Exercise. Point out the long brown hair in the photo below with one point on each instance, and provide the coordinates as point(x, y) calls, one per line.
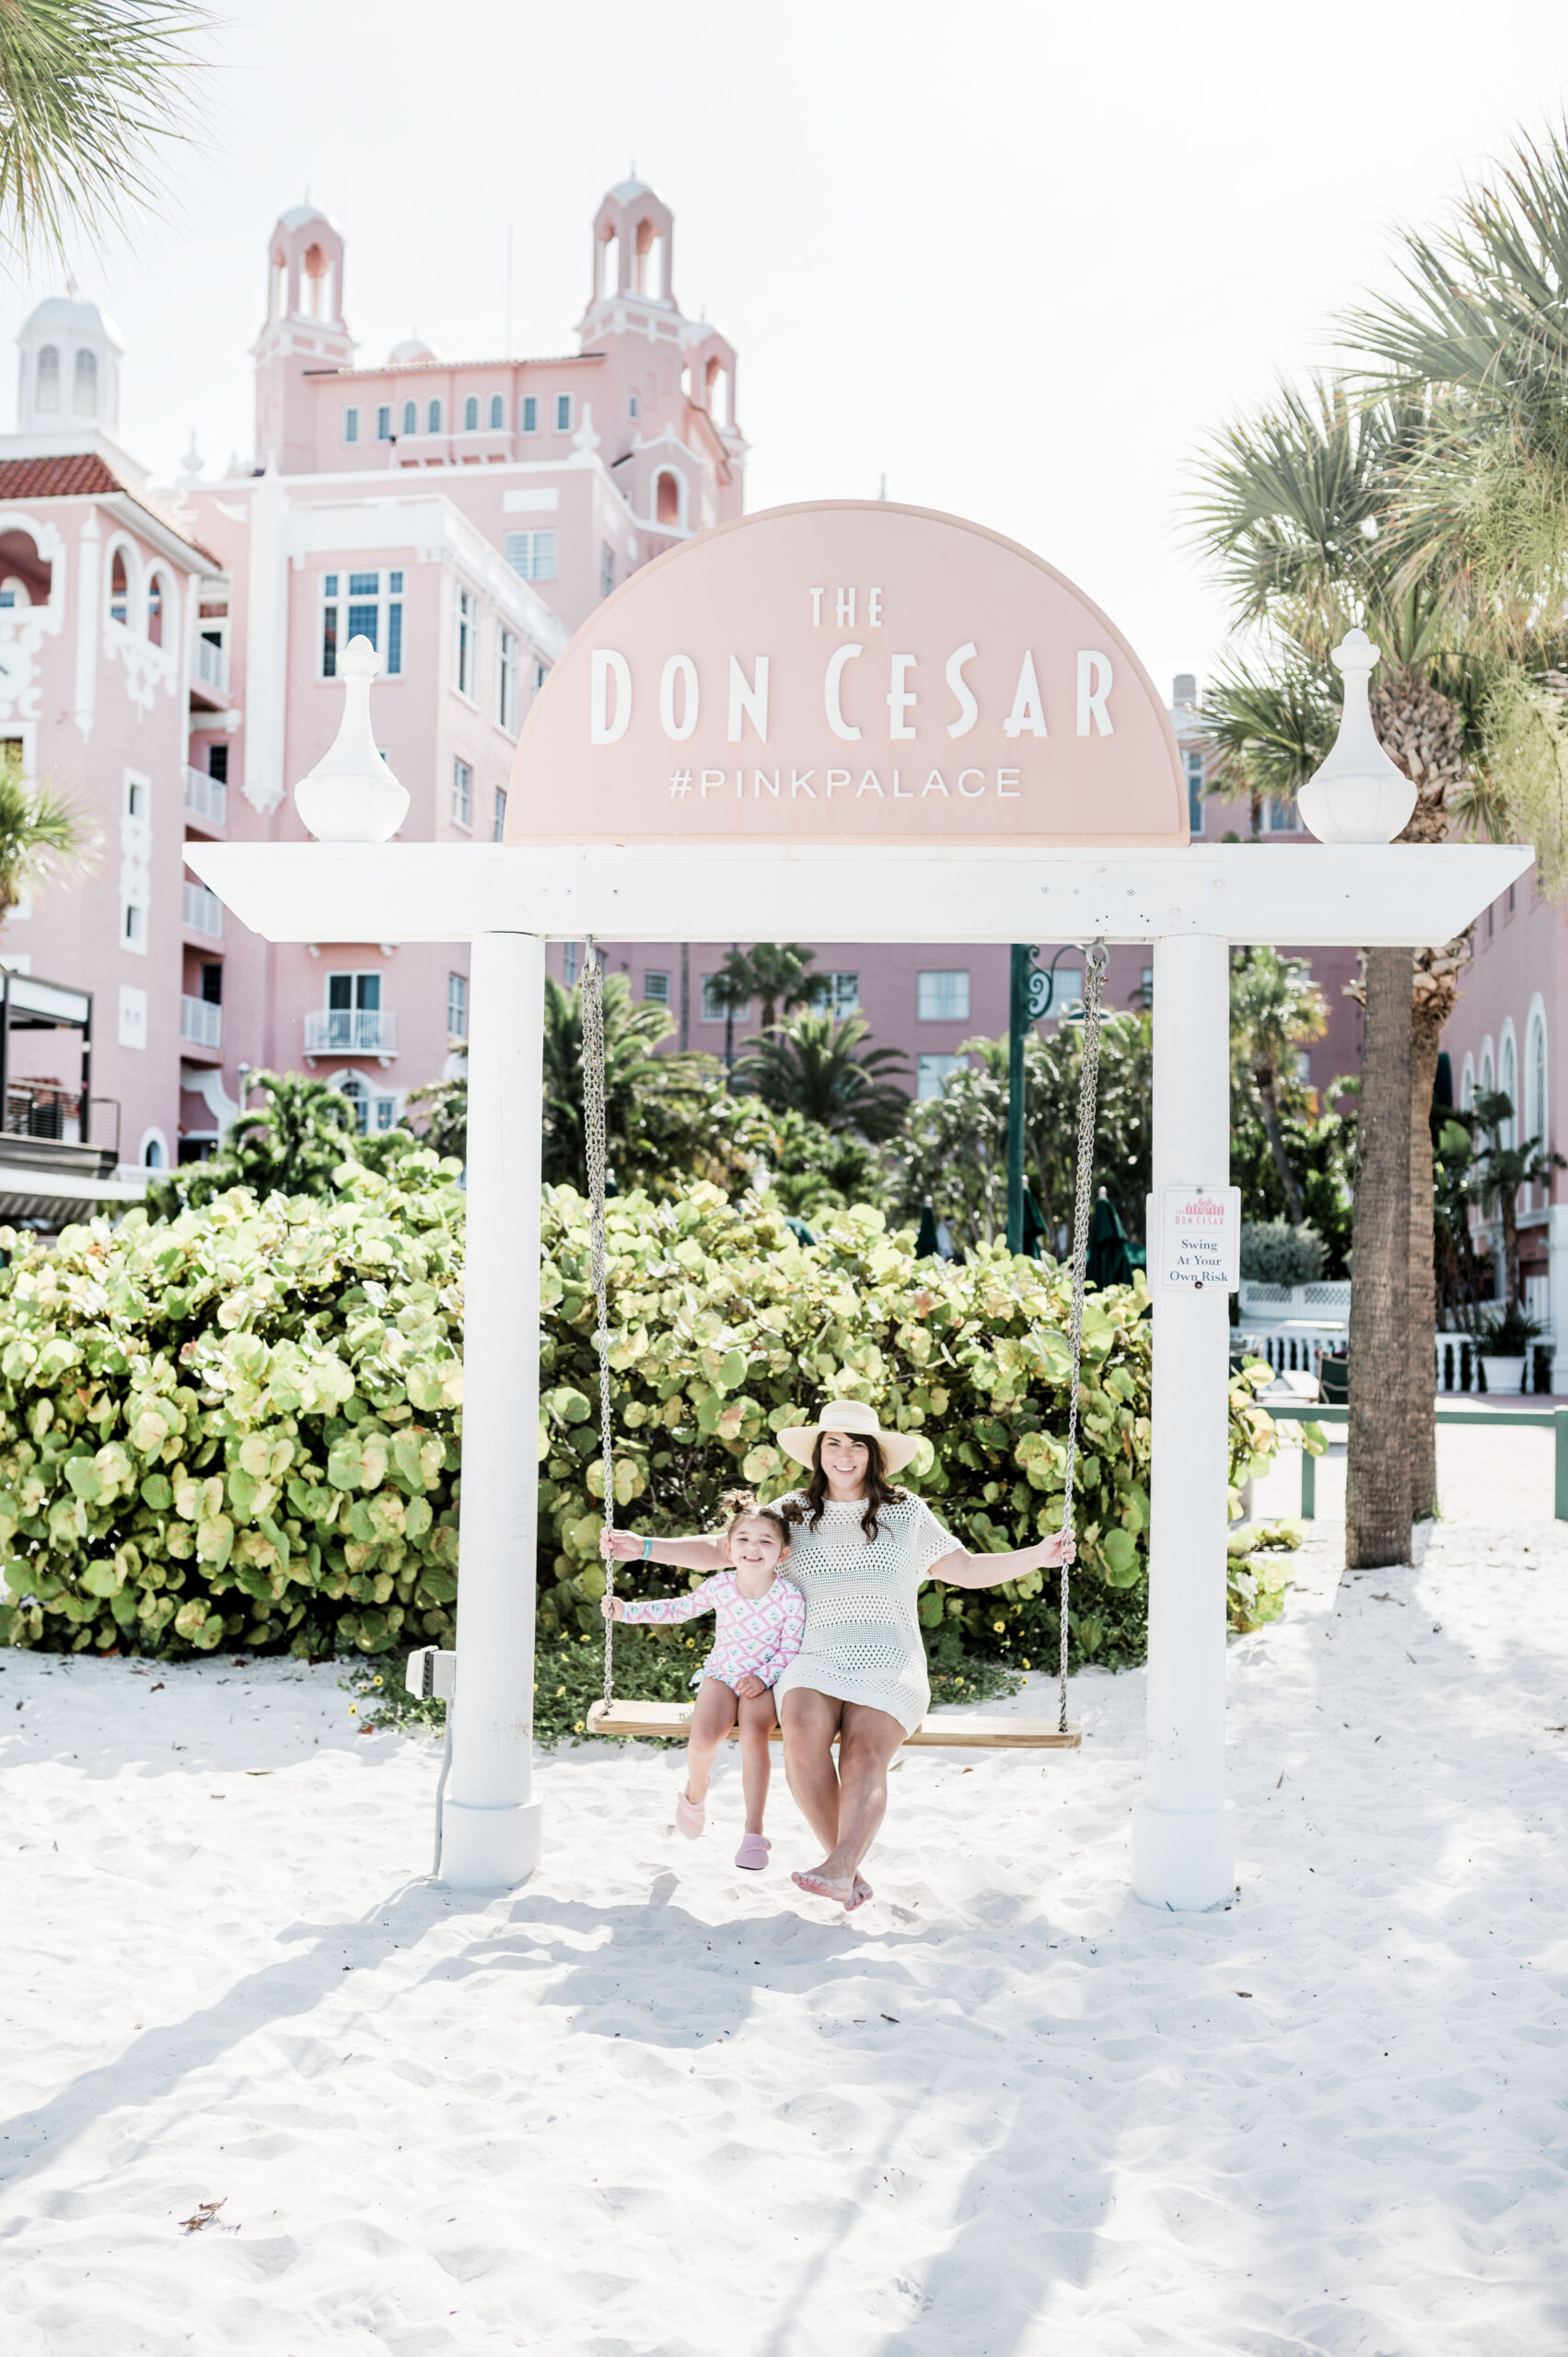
point(879, 1491)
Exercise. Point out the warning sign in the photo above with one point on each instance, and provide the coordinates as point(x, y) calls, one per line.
point(1198, 1239)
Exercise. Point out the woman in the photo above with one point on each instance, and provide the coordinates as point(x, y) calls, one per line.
point(861, 1550)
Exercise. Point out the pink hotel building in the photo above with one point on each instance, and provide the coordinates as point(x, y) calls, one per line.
point(170, 659)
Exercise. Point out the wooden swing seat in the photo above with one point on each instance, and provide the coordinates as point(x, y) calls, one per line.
point(673, 1720)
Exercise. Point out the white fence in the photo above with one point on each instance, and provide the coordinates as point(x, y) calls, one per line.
point(201, 1023)
point(204, 911)
point(207, 797)
point(353, 1031)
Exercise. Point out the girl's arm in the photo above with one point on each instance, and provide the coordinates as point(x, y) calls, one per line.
point(680, 1554)
point(960, 1569)
point(787, 1638)
point(674, 1608)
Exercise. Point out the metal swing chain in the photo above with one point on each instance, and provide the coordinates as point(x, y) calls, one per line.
point(1088, 1085)
point(590, 1003)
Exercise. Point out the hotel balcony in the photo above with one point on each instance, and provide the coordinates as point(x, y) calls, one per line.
point(350, 1030)
point(206, 800)
point(209, 675)
point(201, 1023)
point(203, 912)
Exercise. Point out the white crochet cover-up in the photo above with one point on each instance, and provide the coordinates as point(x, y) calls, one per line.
point(862, 1640)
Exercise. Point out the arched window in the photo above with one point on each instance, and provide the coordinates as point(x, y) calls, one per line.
point(119, 589)
point(1508, 1087)
point(609, 263)
point(48, 394)
point(1535, 1082)
point(152, 1158)
point(666, 508)
point(433, 418)
point(318, 284)
point(13, 592)
point(155, 608)
point(650, 261)
point(497, 412)
point(84, 398)
point(719, 392)
point(358, 1095)
point(1487, 1071)
point(1466, 1085)
point(470, 415)
point(410, 417)
point(280, 285)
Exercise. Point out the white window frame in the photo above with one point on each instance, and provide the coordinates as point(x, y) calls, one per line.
point(383, 421)
point(465, 641)
point(411, 421)
point(528, 413)
point(571, 963)
point(844, 993)
point(1508, 1056)
point(508, 660)
point(931, 1071)
point(652, 974)
point(1197, 800)
point(135, 860)
point(463, 794)
point(456, 1006)
point(470, 401)
point(498, 817)
point(434, 415)
point(721, 1013)
point(936, 984)
point(562, 404)
point(390, 599)
point(1538, 1063)
point(497, 409)
point(350, 422)
point(531, 555)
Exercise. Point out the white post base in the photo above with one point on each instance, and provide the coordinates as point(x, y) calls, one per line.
point(490, 1848)
point(1183, 1858)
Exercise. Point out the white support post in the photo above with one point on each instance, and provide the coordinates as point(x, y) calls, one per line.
point(1182, 1848)
point(491, 1826)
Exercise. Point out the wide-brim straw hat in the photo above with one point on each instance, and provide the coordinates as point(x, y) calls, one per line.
point(851, 1416)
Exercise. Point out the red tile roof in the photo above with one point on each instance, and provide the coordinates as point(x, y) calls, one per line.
point(83, 474)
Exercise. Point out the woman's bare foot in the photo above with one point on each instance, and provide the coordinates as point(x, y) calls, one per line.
point(821, 1886)
point(860, 1894)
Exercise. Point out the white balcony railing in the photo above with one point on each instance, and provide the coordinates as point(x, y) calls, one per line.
point(207, 797)
point(201, 1023)
point(204, 911)
point(350, 1030)
point(210, 664)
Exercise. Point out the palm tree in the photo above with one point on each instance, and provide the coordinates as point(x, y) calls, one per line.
point(88, 89)
point(290, 1146)
point(666, 1122)
point(817, 1066)
point(1499, 1171)
point(44, 838)
point(1296, 509)
point(775, 972)
point(1275, 1008)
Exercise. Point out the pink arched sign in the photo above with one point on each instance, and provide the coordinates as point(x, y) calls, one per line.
point(848, 672)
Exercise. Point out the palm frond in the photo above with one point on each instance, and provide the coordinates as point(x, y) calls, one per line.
point(45, 837)
point(89, 88)
point(1269, 731)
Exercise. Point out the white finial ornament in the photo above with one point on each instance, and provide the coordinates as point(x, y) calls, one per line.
point(1358, 795)
point(350, 797)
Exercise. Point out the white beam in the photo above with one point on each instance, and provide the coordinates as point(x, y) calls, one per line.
point(1365, 896)
point(491, 1824)
point(1182, 1852)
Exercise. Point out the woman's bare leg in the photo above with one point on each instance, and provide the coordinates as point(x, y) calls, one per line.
point(866, 1745)
point(758, 1720)
point(711, 1723)
point(810, 1721)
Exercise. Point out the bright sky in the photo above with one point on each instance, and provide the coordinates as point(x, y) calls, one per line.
point(1020, 258)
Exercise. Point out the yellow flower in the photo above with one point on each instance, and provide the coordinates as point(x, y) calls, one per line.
point(376, 1680)
point(999, 1626)
point(354, 1710)
point(559, 1691)
point(1025, 1661)
point(577, 1726)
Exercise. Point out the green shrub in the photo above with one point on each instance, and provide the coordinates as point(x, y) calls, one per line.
point(1275, 1253)
point(238, 1427)
point(726, 1328)
point(242, 1426)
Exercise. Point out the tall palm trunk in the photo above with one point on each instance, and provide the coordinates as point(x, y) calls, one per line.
point(1377, 1493)
point(1263, 1078)
point(1423, 730)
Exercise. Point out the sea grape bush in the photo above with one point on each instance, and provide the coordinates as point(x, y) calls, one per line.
point(726, 1328)
point(239, 1426)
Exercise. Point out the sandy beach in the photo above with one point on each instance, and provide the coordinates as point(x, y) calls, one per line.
point(648, 2104)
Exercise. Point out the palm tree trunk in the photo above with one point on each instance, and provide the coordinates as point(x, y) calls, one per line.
point(1378, 1492)
point(1509, 1205)
point(1276, 1136)
point(1426, 1033)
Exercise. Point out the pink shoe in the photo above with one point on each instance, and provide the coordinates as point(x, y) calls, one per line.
point(690, 1816)
point(754, 1852)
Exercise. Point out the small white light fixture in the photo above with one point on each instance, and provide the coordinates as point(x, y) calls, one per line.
point(1358, 795)
point(350, 797)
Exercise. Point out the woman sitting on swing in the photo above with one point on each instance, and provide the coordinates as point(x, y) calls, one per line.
point(860, 1551)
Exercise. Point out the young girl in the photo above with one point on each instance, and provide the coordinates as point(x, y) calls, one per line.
point(761, 1618)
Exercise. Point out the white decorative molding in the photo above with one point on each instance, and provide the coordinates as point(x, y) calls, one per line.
point(206, 1081)
point(87, 623)
point(266, 642)
point(23, 628)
